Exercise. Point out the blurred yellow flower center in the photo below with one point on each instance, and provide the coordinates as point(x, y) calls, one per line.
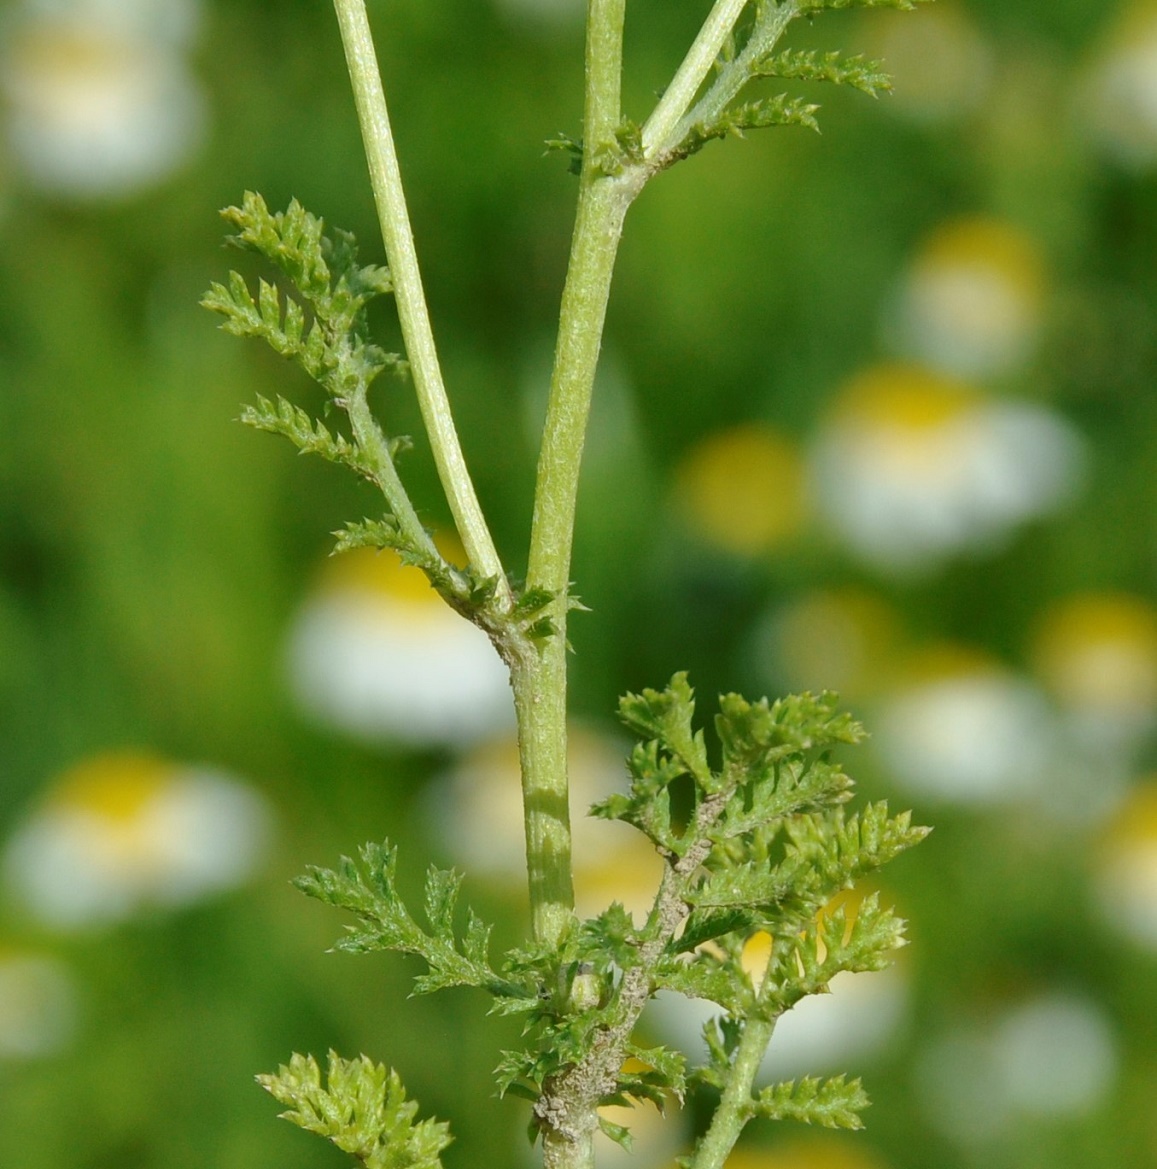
point(1100, 649)
point(806, 1154)
point(840, 640)
point(905, 398)
point(115, 787)
point(66, 53)
point(986, 246)
point(382, 573)
point(1135, 825)
point(742, 489)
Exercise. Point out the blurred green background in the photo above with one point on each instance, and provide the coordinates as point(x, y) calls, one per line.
point(877, 413)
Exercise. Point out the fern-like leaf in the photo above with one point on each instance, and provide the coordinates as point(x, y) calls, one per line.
point(362, 1108)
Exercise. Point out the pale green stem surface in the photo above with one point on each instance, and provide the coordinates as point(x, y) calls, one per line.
point(735, 74)
point(386, 179)
point(373, 443)
point(734, 1107)
point(702, 55)
point(540, 683)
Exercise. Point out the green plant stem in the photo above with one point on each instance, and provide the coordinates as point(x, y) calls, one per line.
point(540, 679)
point(374, 447)
point(735, 74)
point(385, 176)
point(702, 55)
point(734, 1109)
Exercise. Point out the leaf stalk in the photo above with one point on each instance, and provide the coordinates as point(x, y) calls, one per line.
point(393, 216)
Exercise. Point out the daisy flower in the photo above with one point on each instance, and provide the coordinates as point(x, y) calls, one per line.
point(1047, 1059)
point(971, 301)
point(376, 653)
point(1096, 653)
point(99, 101)
point(961, 728)
point(910, 467)
point(1125, 870)
point(121, 833)
point(1120, 102)
point(842, 639)
point(940, 61)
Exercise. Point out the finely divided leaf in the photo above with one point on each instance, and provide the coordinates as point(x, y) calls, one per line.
point(370, 893)
point(362, 1108)
point(832, 1103)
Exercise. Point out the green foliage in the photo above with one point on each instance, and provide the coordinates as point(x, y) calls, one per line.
point(324, 330)
point(370, 893)
point(832, 1103)
point(750, 55)
point(333, 347)
point(362, 1108)
point(767, 845)
point(809, 65)
point(780, 110)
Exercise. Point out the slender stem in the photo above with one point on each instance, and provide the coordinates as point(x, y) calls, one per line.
point(679, 95)
point(373, 444)
point(737, 73)
point(540, 681)
point(393, 215)
point(734, 1109)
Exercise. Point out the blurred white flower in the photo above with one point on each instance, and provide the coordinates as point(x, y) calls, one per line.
point(37, 1006)
point(1120, 103)
point(741, 489)
point(910, 467)
point(971, 301)
point(1097, 654)
point(1125, 870)
point(476, 811)
point(940, 62)
point(119, 833)
point(100, 102)
point(375, 652)
point(1049, 1058)
point(964, 729)
point(835, 639)
point(170, 22)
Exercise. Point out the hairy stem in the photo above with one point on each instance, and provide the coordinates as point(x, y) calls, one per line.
point(734, 1109)
point(702, 55)
point(736, 74)
point(398, 237)
point(374, 446)
point(540, 681)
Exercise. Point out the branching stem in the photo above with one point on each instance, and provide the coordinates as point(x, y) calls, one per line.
point(540, 682)
point(735, 74)
point(385, 176)
point(702, 55)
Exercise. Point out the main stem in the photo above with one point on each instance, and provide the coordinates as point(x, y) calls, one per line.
point(386, 179)
point(539, 678)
